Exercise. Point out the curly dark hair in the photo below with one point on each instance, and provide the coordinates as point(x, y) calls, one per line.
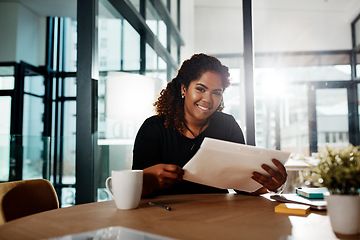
point(170, 104)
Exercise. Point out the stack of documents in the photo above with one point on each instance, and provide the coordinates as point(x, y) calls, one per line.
point(229, 165)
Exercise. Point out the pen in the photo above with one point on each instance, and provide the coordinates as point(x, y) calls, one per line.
point(159, 205)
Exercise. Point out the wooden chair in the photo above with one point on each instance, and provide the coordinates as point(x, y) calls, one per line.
point(22, 198)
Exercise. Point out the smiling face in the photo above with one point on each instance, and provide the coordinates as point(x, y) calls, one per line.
point(202, 97)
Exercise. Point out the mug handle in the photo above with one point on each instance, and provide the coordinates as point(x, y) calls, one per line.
point(107, 185)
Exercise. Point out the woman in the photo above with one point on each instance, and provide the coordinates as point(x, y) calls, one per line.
point(188, 110)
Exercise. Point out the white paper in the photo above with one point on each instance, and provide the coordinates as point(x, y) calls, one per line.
point(230, 165)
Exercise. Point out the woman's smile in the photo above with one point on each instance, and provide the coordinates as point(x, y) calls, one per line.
point(204, 108)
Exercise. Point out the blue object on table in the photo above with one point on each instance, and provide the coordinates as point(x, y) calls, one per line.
point(312, 193)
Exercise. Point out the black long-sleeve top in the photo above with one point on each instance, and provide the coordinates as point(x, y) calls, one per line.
point(155, 144)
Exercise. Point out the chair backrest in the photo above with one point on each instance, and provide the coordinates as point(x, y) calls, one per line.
point(22, 198)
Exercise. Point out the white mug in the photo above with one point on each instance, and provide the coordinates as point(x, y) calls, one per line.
point(126, 188)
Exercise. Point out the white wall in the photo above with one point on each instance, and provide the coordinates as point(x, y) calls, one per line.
point(218, 29)
point(282, 30)
point(279, 25)
point(22, 35)
point(8, 15)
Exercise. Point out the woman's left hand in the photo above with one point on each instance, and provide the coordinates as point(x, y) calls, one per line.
point(276, 178)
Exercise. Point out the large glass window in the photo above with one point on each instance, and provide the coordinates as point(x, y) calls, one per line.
point(110, 51)
point(127, 100)
point(234, 97)
point(156, 24)
point(5, 109)
point(155, 65)
point(70, 42)
point(131, 47)
point(301, 80)
point(284, 91)
point(6, 83)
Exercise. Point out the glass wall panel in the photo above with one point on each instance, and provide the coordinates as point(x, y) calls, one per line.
point(70, 87)
point(120, 109)
point(7, 71)
point(173, 49)
point(151, 60)
point(136, 4)
point(289, 69)
point(34, 85)
point(174, 11)
point(33, 124)
point(4, 156)
point(282, 98)
point(155, 65)
point(36, 156)
point(234, 96)
point(70, 45)
point(157, 26)
point(67, 197)
point(68, 143)
point(110, 44)
point(131, 39)
point(5, 109)
point(162, 69)
point(332, 117)
point(6, 82)
point(127, 101)
point(68, 158)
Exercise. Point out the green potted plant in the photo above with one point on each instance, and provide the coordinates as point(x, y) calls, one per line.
point(338, 169)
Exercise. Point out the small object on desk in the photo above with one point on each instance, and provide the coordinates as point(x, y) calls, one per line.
point(316, 204)
point(312, 193)
point(292, 208)
point(159, 205)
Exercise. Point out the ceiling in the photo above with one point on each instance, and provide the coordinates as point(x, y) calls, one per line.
point(63, 8)
point(349, 8)
point(67, 8)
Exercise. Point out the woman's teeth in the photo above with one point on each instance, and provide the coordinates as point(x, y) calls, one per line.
point(203, 108)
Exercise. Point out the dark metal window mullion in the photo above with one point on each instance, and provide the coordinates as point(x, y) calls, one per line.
point(48, 98)
point(352, 92)
point(248, 71)
point(16, 127)
point(353, 114)
point(313, 138)
point(143, 40)
point(122, 45)
point(178, 25)
point(58, 117)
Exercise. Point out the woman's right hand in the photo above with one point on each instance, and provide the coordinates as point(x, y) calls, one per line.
point(161, 176)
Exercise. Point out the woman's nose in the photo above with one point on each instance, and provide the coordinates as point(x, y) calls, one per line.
point(207, 97)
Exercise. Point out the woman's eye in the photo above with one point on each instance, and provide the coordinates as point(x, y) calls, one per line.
point(218, 93)
point(200, 89)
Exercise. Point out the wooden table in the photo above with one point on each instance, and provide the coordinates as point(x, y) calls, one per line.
point(200, 216)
